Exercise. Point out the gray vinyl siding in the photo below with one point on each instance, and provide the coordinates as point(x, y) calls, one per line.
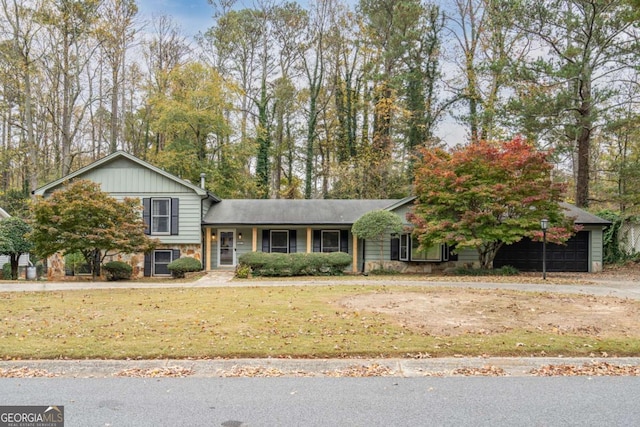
point(468, 256)
point(402, 212)
point(595, 247)
point(372, 249)
point(124, 178)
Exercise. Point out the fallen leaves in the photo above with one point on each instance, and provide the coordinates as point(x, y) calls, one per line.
point(168, 372)
point(593, 369)
point(485, 371)
point(258, 372)
point(353, 371)
point(25, 372)
point(374, 370)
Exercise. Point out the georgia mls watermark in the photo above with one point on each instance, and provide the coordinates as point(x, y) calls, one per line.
point(31, 416)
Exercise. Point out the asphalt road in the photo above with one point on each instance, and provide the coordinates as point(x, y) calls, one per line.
point(240, 402)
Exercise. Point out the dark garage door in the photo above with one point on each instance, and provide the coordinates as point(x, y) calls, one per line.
point(526, 255)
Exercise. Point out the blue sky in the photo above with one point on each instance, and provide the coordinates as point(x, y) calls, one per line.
point(192, 16)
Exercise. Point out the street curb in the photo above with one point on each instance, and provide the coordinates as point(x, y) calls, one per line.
point(463, 366)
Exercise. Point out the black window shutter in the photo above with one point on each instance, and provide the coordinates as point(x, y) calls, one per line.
point(175, 255)
point(147, 264)
point(265, 241)
point(395, 249)
point(292, 241)
point(452, 256)
point(317, 237)
point(146, 214)
point(175, 208)
point(344, 241)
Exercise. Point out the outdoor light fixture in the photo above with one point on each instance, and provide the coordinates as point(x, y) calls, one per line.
point(239, 236)
point(544, 225)
point(214, 237)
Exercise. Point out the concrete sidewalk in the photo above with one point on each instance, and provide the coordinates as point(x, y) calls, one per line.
point(463, 366)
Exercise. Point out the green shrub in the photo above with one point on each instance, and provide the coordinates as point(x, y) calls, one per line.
point(506, 270)
point(184, 265)
point(243, 271)
point(117, 270)
point(295, 264)
point(6, 271)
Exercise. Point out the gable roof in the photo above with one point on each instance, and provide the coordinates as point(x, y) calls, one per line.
point(117, 155)
point(291, 212)
point(340, 212)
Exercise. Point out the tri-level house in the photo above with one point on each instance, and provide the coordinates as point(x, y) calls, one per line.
point(190, 221)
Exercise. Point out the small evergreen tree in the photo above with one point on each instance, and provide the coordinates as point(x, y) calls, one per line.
point(377, 225)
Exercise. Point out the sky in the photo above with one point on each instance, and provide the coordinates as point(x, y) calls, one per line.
point(193, 16)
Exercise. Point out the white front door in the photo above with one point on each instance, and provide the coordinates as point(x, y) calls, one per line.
point(227, 248)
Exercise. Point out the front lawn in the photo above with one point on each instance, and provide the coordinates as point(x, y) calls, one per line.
point(316, 321)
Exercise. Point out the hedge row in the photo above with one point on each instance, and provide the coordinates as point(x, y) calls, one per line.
point(296, 264)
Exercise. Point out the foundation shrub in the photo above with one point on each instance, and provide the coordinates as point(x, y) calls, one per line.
point(296, 264)
point(179, 267)
point(117, 270)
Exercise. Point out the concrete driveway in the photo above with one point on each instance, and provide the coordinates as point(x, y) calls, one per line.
point(624, 288)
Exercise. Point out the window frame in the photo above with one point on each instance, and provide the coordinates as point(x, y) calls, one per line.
point(322, 245)
point(271, 246)
point(153, 216)
point(154, 263)
point(404, 246)
point(407, 250)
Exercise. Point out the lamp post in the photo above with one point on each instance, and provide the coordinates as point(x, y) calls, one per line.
point(544, 225)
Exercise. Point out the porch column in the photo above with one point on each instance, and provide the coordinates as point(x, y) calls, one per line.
point(207, 245)
point(354, 263)
point(309, 239)
point(254, 239)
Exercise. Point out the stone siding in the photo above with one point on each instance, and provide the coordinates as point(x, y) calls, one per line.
point(56, 270)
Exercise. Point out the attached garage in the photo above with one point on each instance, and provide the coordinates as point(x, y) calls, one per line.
point(581, 253)
point(526, 255)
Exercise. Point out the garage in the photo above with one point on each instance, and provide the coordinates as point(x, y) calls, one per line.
point(526, 255)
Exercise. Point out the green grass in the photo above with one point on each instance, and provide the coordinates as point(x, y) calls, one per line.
point(248, 322)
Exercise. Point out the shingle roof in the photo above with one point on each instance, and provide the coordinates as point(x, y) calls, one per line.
point(583, 217)
point(324, 212)
point(293, 212)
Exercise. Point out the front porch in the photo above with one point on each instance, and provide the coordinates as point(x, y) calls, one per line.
point(224, 245)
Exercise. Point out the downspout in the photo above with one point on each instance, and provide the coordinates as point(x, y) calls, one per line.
point(202, 234)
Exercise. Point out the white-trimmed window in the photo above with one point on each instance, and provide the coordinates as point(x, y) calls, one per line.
point(160, 216)
point(404, 247)
point(330, 241)
point(279, 241)
point(434, 253)
point(161, 260)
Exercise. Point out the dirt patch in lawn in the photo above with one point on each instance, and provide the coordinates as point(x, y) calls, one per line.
point(454, 312)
